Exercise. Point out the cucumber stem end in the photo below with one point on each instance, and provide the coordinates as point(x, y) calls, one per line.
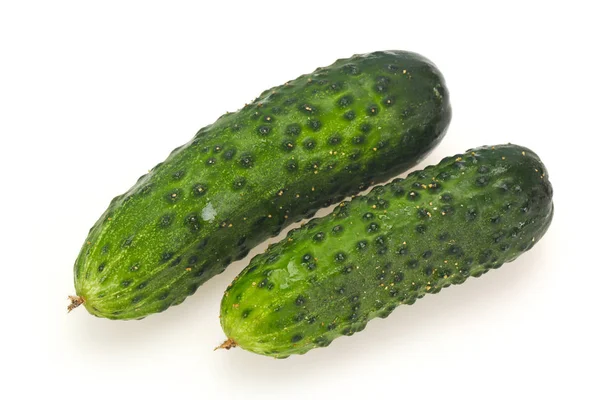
point(228, 344)
point(76, 301)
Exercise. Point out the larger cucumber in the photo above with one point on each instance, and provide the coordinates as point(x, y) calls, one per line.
point(467, 215)
point(296, 148)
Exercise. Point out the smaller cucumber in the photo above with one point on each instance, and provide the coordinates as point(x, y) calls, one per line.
point(467, 215)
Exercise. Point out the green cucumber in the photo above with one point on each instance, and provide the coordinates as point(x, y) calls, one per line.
point(298, 147)
point(467, 215)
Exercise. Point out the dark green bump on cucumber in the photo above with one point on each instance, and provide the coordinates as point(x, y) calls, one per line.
point(394, 248)
point(255, 171)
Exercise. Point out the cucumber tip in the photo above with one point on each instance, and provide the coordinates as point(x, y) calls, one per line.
point(76, 301)
point(228, 344)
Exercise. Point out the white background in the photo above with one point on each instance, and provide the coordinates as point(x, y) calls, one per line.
point(92, 94)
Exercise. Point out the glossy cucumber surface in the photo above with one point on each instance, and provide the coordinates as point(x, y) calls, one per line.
point(296, 148)
point(467, 215)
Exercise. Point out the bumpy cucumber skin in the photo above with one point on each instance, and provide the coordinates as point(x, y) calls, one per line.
point(296, 148)
point(469, 214)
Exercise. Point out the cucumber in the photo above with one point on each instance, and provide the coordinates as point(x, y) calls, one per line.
point(463, 217)
point(298, 147)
